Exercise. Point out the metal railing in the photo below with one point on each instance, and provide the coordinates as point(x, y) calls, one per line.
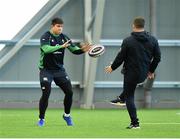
point(97, 84)
point(29, 84)
point(105, 42)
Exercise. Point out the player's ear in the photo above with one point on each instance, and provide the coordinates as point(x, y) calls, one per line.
point(52, 26)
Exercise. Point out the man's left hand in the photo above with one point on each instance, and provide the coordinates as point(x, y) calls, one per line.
point(151, 75)
point(108, 69)
point(85, 47)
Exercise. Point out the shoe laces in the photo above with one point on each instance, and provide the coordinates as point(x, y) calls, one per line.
point(118, 98)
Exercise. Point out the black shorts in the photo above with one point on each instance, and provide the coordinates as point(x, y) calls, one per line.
point(58, 76)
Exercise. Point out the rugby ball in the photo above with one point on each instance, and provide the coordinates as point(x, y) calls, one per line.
point(96, 50)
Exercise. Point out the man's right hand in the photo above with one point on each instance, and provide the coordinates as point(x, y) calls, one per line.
point(66, 44)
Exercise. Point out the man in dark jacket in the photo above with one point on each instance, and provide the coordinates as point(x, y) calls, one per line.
point(141, 54)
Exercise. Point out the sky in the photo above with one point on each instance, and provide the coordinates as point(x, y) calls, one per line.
point(15, 14)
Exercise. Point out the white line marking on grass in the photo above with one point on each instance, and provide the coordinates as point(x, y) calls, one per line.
point(11, 115)
point(161, 123)
point(178, 113)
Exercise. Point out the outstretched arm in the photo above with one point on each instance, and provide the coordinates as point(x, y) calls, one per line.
point(79, 48)
point(50, 49)
point(118, 60)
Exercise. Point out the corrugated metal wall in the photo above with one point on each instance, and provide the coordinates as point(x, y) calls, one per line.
point(117, 25)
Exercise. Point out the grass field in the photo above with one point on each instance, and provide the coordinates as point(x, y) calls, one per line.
point(109, 123)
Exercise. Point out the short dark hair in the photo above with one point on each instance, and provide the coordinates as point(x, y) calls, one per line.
point(139, 22)
point(56, 20)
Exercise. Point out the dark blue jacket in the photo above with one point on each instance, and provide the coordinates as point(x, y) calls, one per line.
point(141, 54)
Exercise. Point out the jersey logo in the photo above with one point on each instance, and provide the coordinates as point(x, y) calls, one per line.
point(45, 79)
point(57, 52)
point(52, 40)
point(67, 77)
point(63, 41)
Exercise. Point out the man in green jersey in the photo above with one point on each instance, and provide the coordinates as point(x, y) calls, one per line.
point(53, 45)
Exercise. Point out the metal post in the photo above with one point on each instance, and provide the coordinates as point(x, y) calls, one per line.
point(153, 29)
point(87, 36)
point(89, 88)
point(153, 18)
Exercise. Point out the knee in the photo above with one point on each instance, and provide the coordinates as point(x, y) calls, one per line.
point(45, 86)
point(69, 93)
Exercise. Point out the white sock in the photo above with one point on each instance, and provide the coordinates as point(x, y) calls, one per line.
point(66, 115)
